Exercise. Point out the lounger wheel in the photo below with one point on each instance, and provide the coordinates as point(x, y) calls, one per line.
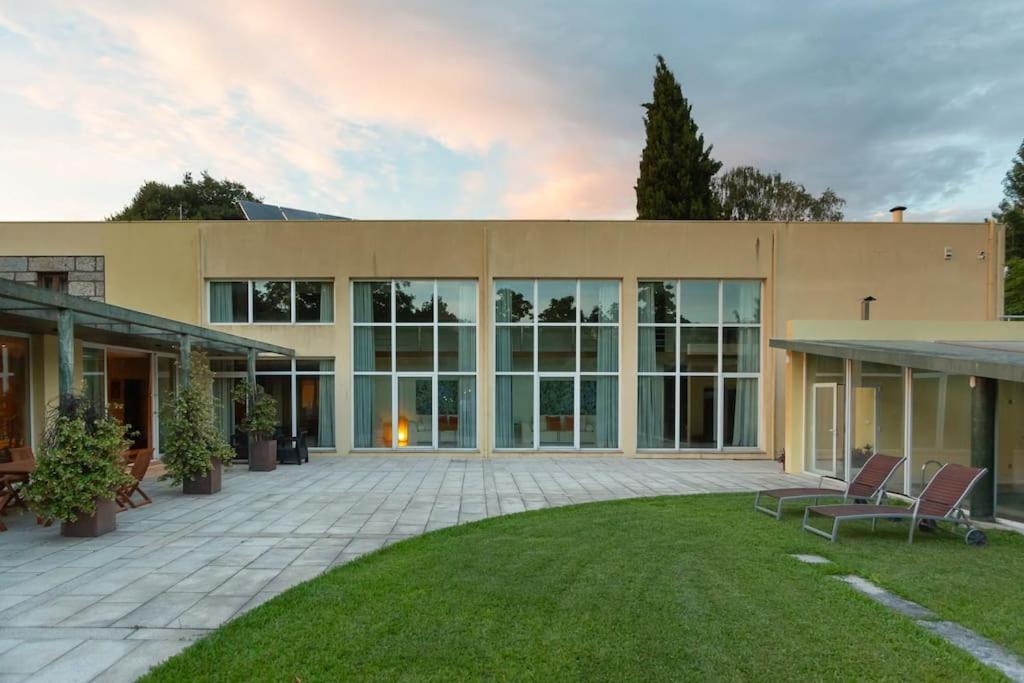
point(976, 537)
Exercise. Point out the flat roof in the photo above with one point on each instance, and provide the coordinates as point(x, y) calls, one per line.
point(27, 308)
point(995, 359)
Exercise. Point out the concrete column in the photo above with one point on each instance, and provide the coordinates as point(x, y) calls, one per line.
point(983, 444)
point(184, 359)
point(65, 352)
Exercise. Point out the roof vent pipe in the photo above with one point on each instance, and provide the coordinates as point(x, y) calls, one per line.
point(865, 307)
point(897, 213)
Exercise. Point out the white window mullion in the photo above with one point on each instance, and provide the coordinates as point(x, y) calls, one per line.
point(719, 381)
point(250, 286)
point(434, 380)
point(292, 307)
point(394, 369)
point(295, 400)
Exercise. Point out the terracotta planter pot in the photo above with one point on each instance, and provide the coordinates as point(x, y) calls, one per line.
point(205, 485)
point(103, 521)
point(263, 456)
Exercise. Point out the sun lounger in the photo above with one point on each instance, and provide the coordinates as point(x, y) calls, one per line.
point(868, 485)
point(941, 501)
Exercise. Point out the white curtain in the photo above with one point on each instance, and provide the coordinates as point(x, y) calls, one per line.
point(220, 302)
point(607, 388)
point(748, 359)
point(651, 390)
point(326, 302)
point(363, 357)
point(325, 407)
point(503, 427)
point(466, 433)
point(224, 406)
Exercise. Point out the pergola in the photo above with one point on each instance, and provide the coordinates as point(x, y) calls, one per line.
point(985, 361)
point(34, 310)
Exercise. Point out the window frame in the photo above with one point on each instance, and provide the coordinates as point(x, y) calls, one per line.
point(293, 374)
point(250, 285)
point(395, 374)
point(576, 375)
point(101, 374)
point(30, 406)
point(720, 375)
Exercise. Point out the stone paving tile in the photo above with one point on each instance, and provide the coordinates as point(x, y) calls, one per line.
point(30, 657)
point(85, 662)
point(186, 564)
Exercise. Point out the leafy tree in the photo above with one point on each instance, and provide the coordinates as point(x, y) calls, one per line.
point(746, 194)
point(1013, 301)
point(208, 199)
point(1011, 209)
point(676, 169)
point(1011, 215)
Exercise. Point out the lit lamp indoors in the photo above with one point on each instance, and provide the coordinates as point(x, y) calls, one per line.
point(403, 432)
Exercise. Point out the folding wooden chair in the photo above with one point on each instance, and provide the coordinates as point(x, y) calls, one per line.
point(138, 461)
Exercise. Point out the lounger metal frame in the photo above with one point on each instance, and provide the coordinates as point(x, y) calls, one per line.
point(956, 514)
point(844, 493)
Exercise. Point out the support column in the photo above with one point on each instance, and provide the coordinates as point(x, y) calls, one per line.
point(184, 359)
point(65, 352)
point(983, 444)
point(250, 367)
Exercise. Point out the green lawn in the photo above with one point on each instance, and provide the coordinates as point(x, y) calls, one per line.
point(665, 588)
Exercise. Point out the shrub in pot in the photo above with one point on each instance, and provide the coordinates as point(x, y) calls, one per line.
point(79, 469)
point(260, 423)
point(194, 450)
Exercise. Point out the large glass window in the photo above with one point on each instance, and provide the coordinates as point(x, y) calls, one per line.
point(556, 364)
point(94, 374)
point(878, 416)
point(1010, 451)
point(14, 392)
point(825, 415)
point(940, 424)
point(414, 362)
point(271, 301)
point(699, 364)
point(303, 389)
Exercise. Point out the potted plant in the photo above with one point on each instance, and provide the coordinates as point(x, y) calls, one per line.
point(260, 423)
point(195, 450)
point(80, 469)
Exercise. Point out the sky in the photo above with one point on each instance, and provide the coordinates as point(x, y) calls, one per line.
point(460, 109)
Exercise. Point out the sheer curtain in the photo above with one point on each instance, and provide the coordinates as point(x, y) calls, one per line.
point(466, 434)
point(220, 302)
point(748, 360)
point(363, 357)
point(607, 388)
point(224, 406)
point(327, 302)
point(325, 405)
point(651, 390)
point(503, 427)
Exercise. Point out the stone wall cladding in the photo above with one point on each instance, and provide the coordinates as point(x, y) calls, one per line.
point(86, 274)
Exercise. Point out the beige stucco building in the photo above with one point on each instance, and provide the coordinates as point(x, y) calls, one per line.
point(636, 337)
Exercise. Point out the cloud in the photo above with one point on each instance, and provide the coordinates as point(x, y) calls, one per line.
point(513, 110)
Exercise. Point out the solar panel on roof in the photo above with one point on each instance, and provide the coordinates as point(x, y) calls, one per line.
point(256, 211)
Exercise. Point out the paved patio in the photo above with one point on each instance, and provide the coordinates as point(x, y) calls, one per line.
point(107, 609)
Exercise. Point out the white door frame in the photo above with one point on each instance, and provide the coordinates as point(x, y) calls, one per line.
point(834, 387)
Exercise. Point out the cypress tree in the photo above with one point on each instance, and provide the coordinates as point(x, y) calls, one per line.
point(675, 168)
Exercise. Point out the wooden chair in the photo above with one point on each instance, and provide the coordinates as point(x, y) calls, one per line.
point(11, 482)
point(138, 461)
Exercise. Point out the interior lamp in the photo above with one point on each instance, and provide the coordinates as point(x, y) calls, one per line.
point(403, 432)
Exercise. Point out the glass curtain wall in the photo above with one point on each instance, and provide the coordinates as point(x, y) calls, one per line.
point(15, 429)
point(1010, 451)
point(166, 387)
point(940, 424)
point(699, 364)
point(414, 364)
point(825, 415)
point(878, 415)
point(271, 301)
point(303, 389)
point(556, 364)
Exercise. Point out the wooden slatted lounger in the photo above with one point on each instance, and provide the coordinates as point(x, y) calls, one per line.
point(941, 501)
point(869, 484)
